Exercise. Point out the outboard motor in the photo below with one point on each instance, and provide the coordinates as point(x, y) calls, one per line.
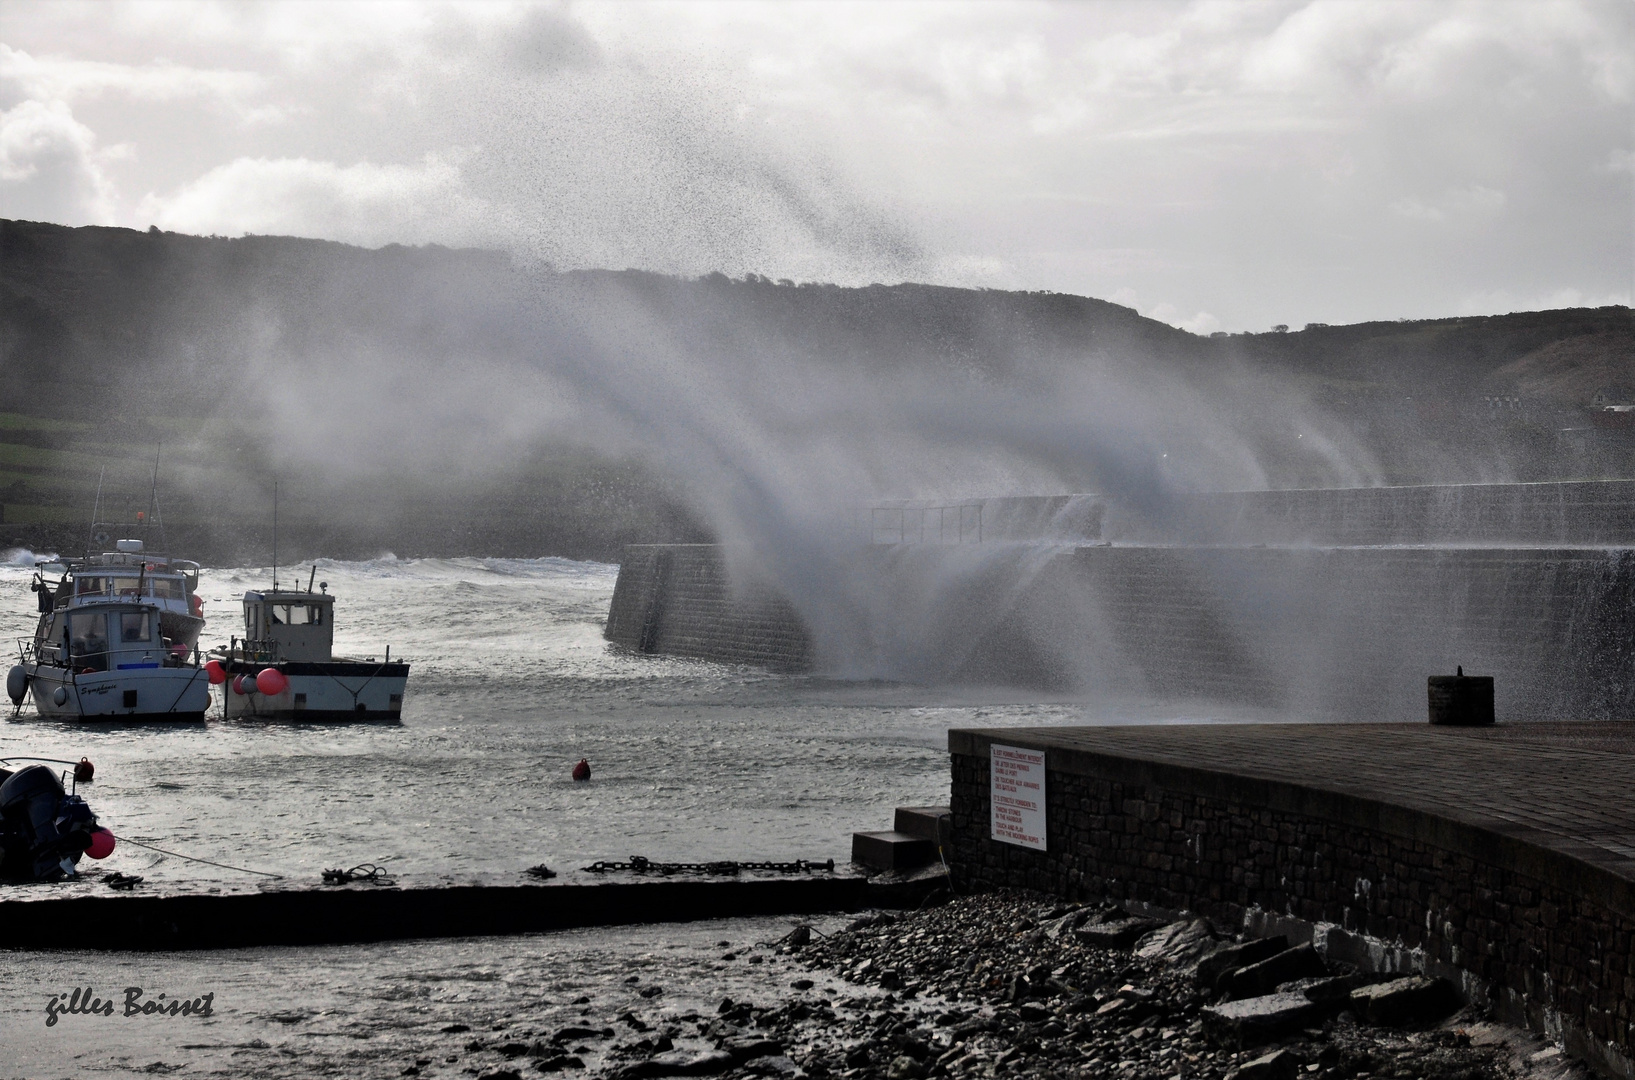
point(43, 829)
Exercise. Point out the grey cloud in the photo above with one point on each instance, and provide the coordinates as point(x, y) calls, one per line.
point(547, 40)
point(1275, 162)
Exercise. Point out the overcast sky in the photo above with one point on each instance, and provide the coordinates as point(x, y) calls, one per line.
point(1216, 165)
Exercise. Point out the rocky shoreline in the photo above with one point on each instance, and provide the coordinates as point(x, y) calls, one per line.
point(1022, 985)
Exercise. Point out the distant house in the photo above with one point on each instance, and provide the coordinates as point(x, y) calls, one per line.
point(1611, 396)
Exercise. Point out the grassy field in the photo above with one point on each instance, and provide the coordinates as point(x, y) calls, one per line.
point(51, 469)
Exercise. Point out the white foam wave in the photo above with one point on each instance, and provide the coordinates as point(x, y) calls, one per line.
point(431, 569)
point(24, 557)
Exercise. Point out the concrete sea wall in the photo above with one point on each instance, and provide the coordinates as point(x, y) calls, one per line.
point(1542, 935)
point(1597, 513)
point(1314, 632)
point(677, 600)
point(1329, 632)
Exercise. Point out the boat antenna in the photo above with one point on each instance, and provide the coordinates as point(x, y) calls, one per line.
point(275, 536)
point(311, 579)
point(96, 508)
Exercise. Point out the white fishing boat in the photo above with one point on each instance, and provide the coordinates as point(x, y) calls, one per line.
point(284, 668)
point(117, 638)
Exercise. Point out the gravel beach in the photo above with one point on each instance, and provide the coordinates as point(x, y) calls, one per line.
point(1021, 985)
point(997, 985)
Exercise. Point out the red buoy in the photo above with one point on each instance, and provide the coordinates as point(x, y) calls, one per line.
point(581, 771)
point(215, 672)
point(84, 770)
point(271, 682)
point(102, 843)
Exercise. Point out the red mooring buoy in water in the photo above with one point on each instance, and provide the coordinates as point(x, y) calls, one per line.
point(84, 770)
point(581, 771)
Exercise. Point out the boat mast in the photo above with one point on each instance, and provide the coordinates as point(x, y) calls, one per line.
point(275, 536)
point(153, 499)
point(96, 508)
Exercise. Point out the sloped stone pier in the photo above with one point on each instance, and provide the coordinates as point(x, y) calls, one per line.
point(1502, 858)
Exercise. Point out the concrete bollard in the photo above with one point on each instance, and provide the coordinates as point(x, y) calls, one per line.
point(1461, 700)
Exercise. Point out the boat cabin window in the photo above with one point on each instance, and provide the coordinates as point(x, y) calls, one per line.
point(127, 586)
point(90, 586)
point(298, 614)
point(87, 639)
point(166, 588)
point(135, 626)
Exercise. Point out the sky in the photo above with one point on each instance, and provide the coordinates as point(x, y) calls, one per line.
point(1216, 165)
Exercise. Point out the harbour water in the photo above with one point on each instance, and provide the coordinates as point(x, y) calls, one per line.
point(511, 684)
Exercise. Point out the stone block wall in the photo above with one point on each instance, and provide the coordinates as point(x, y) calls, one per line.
point(1318, 633)
point(1348, 632)
point(1576, 512)
point(1543, 936)
point(677, 600)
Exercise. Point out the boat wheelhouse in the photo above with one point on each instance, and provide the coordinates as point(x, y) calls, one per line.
point(291, 633)
point(117, 638)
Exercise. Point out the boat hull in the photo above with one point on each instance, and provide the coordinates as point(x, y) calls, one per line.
point(321, 692)
point(171, 694)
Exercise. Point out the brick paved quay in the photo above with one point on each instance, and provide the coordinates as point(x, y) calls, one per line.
point(1503, 858)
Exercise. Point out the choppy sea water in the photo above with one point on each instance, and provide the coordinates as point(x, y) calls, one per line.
point(511, 683)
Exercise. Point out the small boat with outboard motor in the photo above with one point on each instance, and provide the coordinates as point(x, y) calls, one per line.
point(117, 637)
point(284, 668)
point(45, 825)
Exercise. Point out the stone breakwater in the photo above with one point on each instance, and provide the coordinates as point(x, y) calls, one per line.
point(1339, 632)
point(1495, 859)
point(677, 600)
point(1577, 512)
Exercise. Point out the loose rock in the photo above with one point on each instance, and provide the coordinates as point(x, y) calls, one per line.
point(1413, 1000)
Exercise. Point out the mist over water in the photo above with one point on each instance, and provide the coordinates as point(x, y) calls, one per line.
point(775, 442)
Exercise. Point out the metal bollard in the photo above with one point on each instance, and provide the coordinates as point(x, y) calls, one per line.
point(1461, 700)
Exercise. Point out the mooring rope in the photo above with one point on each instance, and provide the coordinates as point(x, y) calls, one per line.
point(194, 858)
point(370, 872)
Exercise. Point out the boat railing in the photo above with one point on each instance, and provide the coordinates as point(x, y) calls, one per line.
point(253, 651)
point(43, 652)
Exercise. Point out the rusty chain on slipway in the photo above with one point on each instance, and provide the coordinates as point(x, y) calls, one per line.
point(640, 865)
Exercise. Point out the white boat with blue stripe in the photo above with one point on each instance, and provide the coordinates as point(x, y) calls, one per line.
point(117, 640)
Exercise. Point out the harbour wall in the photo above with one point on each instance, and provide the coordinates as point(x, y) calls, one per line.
point(200, 918)
point(1320, 633)
point(1543, 936)
point(677, 600)
point(1597, 513)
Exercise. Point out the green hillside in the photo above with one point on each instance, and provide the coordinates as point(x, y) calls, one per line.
point(117, 345)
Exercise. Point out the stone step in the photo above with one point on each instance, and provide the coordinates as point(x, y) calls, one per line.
point(891, 850)
point(933, 823)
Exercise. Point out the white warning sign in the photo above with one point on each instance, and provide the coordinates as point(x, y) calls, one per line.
point(1018, 795)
